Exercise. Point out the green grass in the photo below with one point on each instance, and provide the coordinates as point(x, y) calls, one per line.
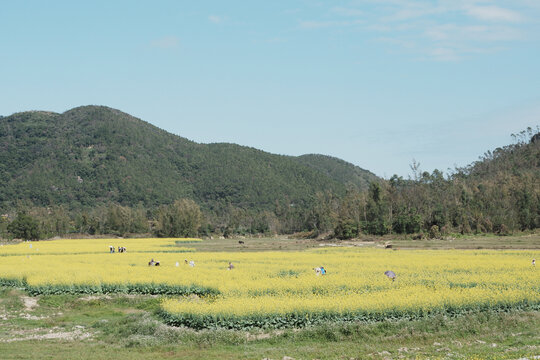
point(126, 326)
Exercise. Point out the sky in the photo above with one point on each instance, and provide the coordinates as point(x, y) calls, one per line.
point(378, 83)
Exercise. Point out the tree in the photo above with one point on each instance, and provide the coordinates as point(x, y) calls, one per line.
point(376, 211)
point(24, 227)
point(346, 229)
point(118, 219)
point(323, 215)
point(181, 219)
point(3, 226)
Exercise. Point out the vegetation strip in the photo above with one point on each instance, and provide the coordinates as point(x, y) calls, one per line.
point(146, 289)
point(304, 319)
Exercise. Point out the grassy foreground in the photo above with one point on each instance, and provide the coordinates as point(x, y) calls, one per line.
point(122, 326)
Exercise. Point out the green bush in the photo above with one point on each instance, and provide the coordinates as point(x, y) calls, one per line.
point(346, 229)
point(24, 227)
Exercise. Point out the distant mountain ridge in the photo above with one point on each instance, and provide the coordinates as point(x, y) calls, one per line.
point(92, 155)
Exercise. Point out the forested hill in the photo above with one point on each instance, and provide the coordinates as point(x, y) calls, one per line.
point(94, 155)
point(339, 170)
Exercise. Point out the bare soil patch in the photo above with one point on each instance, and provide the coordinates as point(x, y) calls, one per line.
point(29, 302)
point(78, 333)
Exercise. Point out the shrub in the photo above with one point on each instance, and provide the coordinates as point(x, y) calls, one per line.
point(346, 229)
point(434, 232)
point(24, 227)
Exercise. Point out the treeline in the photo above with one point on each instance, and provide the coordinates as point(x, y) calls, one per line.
point(500, 194)
point(180, 219)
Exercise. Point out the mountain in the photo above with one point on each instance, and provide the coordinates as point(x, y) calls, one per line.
point(93, 155)
point(339, 170)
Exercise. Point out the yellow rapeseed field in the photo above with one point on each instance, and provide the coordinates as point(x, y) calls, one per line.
point(92, 246)
point(280, 288)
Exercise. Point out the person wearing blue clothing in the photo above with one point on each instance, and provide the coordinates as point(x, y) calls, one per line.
point(323, 270)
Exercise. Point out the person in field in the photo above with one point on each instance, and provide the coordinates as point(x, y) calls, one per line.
point(317, 271)
point(390, 274)
point(192, 263)
point(231, 266)
point(323, 270)
point(534, 262)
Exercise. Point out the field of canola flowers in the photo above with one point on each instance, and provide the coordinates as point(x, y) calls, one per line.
point(87, 266)
point(279, 289)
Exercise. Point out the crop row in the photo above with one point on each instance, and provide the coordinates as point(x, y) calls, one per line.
point(148, 289)
point(299, 319)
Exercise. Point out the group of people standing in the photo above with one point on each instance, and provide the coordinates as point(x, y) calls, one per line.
point(121, 249)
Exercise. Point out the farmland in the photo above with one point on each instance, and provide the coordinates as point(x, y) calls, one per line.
point(275, 292)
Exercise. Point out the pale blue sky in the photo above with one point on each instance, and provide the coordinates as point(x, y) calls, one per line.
point(376, 83)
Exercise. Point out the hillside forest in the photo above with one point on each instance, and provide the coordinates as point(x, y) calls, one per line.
point(133, 179)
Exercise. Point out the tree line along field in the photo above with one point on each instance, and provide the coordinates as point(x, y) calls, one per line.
point(276, 289)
